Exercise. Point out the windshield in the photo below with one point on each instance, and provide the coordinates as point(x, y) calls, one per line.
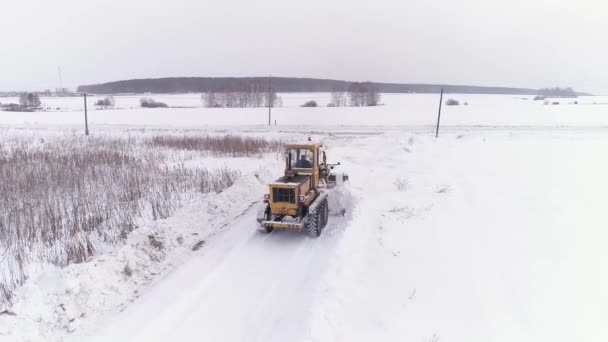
point(300, 158)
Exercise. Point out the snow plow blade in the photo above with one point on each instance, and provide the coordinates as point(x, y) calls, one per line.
point(283, 225)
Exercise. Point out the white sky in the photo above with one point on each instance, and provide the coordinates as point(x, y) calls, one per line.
point(533, 43)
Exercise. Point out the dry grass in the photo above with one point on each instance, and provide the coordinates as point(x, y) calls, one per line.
point(229, 145)
point(64, 199)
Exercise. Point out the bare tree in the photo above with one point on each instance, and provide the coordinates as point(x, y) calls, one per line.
point(210, 99)
point(29, 101)
point(273, 98)
point(105, 103)
point(355, 98)
point(362, 94)
point(372, 96)
point(338, 98)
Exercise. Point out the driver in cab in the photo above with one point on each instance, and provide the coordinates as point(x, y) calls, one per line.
point(304, 163)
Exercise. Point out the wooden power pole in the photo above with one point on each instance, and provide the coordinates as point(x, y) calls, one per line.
point(270, 100)
point(86, 119)
point(439, 114)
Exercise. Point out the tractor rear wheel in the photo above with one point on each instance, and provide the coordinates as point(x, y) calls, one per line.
point(268, 217)
point(312, 223)
point(325, 212)
point(322, 214)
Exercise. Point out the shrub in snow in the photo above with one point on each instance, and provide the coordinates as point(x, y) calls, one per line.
point(147, 102)
point(331, 105)
point(539, 98)
point(444, 189)
point(105, 102)
point(198, 245)
point(310, 104)
point(452, 102)
point(401, 184)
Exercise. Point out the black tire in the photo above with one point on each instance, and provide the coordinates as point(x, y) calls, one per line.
point(322, 211)
point(312, 223)
point(268, 217)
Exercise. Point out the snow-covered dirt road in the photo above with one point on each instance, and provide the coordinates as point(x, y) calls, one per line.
point(244, 285)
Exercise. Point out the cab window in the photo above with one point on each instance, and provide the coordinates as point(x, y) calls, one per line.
point(301, 158)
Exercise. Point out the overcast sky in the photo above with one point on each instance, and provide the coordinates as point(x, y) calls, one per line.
point(522, 43)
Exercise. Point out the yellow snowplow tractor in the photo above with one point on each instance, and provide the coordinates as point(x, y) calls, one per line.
point(298, 200)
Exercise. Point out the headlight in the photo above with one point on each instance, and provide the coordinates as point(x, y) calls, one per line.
point(302, 198)
point(266, 196)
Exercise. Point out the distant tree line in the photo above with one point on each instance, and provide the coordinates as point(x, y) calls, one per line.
point(281, 85)
point(557, 92)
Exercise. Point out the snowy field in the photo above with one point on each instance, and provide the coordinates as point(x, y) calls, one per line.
point(398, 111)
point(493, 232)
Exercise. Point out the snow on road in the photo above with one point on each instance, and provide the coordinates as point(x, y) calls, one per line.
point(245, 285)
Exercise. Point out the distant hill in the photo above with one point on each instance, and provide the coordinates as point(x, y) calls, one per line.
point(280, 84)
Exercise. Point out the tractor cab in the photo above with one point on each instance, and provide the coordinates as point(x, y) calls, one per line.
point(302, 160)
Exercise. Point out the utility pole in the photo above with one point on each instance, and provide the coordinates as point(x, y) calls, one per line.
point(439, 114)
point(269, 99)
point(86, 119)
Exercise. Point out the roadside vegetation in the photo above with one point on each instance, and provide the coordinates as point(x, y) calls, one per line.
point(228, 145)
point(67, 198)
